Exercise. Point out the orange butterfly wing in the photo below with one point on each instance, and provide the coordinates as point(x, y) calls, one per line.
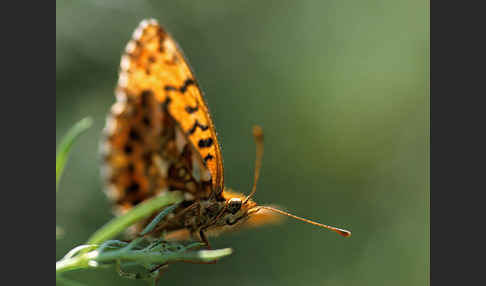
point(154, 63)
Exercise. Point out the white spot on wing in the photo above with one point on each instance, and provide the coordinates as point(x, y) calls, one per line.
point(130, 48)
point(118, 108)
point(110, 128)
point(121, 96)
point(125, 62)
point(112, 192)
point(123, 79)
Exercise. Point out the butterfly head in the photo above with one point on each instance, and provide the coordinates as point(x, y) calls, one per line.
point(236, 209)
point(238, 212)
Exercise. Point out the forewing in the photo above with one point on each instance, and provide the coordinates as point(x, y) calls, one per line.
point(154, 62)
point(158, 134)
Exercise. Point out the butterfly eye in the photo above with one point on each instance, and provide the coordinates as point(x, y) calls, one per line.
point(234, 205)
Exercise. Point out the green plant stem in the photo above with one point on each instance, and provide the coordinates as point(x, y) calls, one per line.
point(144, 210)
point(94, 257)
point(90, 259)
point(196, 256)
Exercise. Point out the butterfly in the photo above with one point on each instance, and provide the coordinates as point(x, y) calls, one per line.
point(159, 137)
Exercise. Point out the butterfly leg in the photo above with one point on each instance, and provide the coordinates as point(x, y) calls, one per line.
point(204, 239)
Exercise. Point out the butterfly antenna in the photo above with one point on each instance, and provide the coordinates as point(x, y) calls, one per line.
point(258, 135)
point(342, 232)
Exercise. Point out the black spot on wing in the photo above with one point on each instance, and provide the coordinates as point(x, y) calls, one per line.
point(186, 84)
point(189, 109)
point(208, 157)
point(166, 103)
point(134, 135)
point(128, 149)
point(195, 126)
point(204, 143)
point(133, 188)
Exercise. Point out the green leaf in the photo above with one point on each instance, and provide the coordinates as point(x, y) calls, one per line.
point(141, 211)
point(66, 144)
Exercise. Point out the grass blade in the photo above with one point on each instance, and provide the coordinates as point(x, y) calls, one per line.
point(141, 211)
point(66, 144)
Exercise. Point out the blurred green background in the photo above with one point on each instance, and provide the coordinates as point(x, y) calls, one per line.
point(341, 89)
